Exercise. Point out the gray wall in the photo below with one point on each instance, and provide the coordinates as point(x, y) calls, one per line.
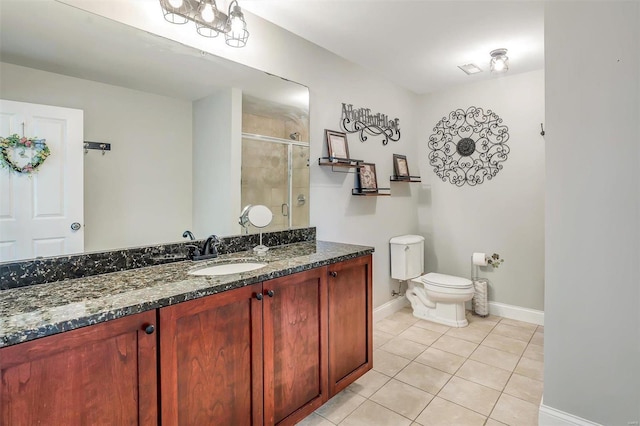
point(592, 329)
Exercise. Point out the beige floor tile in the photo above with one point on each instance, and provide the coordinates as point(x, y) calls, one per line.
point(441, 412)
point(315, 420)
point(390, 326)
point(404, 315)
point(433, 326)
point(538, 338)
point(380, 338)
point(404, 348)
point(472, 334)
point(470, 395)
point(340, 406)
point(535, 352)
point(372, 414)
point(514, 411)
point(420, 335)
point(487, 326)
point(495, 357)
point(530, 368)
point(423, 377)
point(455, 346)
point(483, 374)
point(368, 384)
point(491, 422)
point(441, 360)
point(387, 363)
point(491, 319)
point(540, 329)
point(402, 398)
point(503, 343)
point(517, 333)
point(524, 388)
point(521, 324)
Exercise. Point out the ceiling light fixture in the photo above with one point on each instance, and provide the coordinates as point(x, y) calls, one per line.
point(499, 60)
point(209, 20)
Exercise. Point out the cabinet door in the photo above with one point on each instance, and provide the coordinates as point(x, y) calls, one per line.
point(350, 322)
point(104, 374)
point(211, 360)
point(295, 346)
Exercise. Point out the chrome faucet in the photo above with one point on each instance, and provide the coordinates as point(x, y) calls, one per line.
point(244, 218)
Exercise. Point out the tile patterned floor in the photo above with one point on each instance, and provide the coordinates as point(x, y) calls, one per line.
point(489, 373)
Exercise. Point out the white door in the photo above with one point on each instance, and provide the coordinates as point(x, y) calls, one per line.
point(37, 211)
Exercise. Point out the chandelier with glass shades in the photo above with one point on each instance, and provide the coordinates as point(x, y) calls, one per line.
point(210, 21)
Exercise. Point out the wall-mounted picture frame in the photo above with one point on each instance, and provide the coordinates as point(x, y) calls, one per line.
point(337, 145)
point(401, 167)
point(367, 179)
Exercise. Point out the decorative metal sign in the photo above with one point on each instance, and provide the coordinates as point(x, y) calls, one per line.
point(468, 146)
point(362, 120)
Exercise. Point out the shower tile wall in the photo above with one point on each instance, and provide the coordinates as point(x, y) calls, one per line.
point(264, 169)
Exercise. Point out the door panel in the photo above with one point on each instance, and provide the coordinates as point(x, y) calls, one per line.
point(295, 345)
point(36, 212)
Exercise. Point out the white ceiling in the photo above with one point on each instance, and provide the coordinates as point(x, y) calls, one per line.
point(416, 44)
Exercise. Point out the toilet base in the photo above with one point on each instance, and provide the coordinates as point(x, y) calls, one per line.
point(451, 314)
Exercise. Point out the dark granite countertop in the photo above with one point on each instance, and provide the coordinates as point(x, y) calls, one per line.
point(28, 313)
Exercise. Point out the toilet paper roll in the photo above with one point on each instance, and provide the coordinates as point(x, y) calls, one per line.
point(479, 259)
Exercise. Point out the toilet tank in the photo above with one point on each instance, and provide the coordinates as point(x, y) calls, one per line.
point(407, 256)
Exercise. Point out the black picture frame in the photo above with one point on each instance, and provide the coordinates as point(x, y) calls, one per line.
point(337, 145)
point(367, 179)
point(401, 167)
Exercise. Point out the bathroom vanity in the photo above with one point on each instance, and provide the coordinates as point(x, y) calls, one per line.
point(158, 345)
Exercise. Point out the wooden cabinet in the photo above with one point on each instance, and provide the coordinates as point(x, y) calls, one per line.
point(211, 360)
point(295, 346)
point(249, 356)
point(104, 374)
point(265, 354)
point(350, 322)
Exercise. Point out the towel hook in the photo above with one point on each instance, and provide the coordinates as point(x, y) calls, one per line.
point(542, 129)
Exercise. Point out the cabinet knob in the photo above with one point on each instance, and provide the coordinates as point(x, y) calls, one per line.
point(259, 296)
point(271, 293)
point(150, 328)
point(333, 274)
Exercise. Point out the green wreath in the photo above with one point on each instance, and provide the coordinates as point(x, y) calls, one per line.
point(40, 148)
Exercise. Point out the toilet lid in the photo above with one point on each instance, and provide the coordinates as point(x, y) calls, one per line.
point(448, 281)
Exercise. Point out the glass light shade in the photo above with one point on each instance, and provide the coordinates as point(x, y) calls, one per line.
point(207, 11)
point(237, 34)
point(174, 10)
point(499, 61)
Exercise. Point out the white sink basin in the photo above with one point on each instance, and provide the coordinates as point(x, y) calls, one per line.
point(228, 268)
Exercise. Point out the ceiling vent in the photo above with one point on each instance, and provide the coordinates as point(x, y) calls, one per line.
point(470, 69)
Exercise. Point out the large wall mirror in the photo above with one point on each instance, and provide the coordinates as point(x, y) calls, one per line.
point(193, 137)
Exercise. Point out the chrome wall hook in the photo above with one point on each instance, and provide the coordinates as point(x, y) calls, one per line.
point(541, 129)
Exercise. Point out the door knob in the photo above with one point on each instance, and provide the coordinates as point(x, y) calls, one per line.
point(75, 226)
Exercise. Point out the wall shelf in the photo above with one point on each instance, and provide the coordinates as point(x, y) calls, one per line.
point(373, 192)
point(405, 179)
point(342, 164)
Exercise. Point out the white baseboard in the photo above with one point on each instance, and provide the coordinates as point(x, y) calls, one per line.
point(551, 417)
point(383, 311)
point(516, 313)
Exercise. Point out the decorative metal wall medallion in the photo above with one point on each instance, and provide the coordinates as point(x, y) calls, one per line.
point(363, 121)
point(468, 146)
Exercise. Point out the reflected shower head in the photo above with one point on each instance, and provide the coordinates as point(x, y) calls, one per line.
point(294, 136)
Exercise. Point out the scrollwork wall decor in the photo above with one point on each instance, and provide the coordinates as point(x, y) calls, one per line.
point(363, 121)
point(468, 146)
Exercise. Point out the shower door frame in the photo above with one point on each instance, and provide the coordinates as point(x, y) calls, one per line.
point(290, 144)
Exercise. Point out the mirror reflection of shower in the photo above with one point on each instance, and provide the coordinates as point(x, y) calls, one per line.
point(275, 164)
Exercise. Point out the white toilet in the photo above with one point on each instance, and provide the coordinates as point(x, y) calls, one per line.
point(434, 297)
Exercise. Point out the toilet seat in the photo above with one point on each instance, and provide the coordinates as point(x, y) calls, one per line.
point(443, 281)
